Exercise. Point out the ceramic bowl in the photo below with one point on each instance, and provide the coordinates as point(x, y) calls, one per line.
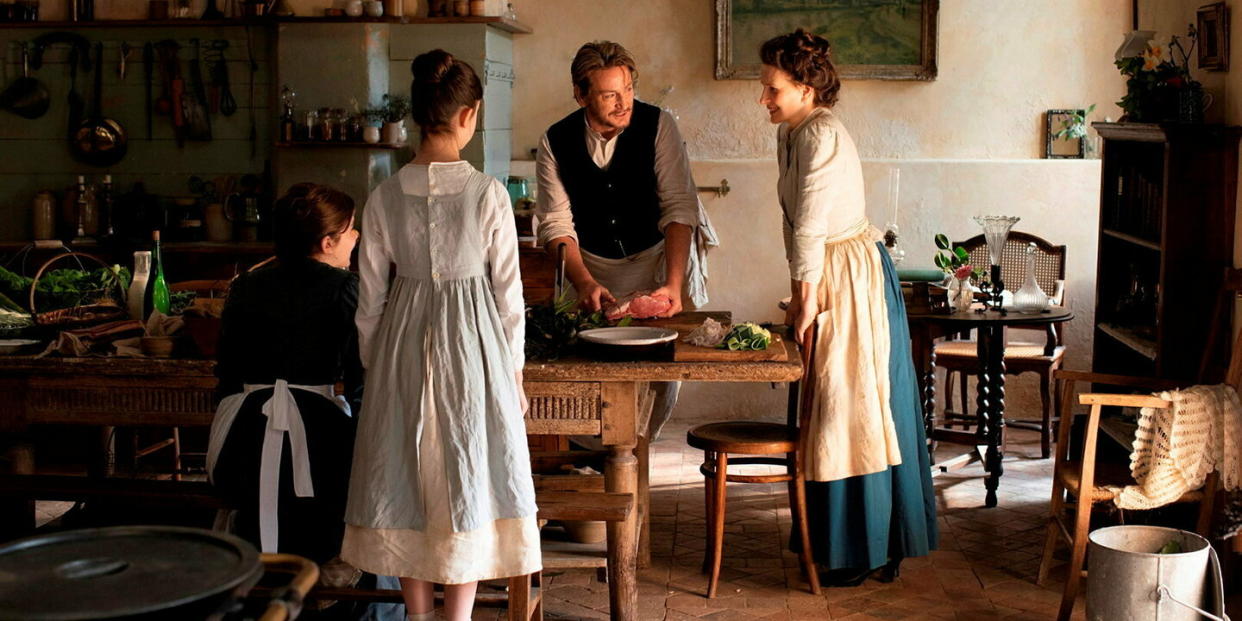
point(158, 346)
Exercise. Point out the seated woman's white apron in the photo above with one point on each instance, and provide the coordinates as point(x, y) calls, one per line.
point(283, 417)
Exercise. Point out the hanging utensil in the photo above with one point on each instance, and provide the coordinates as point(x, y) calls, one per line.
point(26, 97)
point(77, 105)
point(254, 67)
point(98, 140)
point(148, 69)
point(170, 99)
point(222, 94)
point(122, 67)
point(196, 118)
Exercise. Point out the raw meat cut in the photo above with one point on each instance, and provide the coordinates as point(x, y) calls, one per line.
point(639, 305)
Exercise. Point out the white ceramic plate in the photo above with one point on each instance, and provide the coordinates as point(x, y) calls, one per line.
point(12, 346)
point(629, 336)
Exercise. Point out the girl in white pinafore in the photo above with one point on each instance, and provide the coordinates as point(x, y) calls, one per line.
point(441, 488)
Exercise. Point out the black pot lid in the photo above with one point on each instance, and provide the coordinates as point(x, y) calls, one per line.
point(104, 573)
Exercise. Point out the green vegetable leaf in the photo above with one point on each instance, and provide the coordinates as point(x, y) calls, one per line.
point(942, 241)
point(1172, 547)
point(961, 253)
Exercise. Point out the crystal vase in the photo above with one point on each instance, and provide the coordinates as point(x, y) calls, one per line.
point(965, 297)
point(995, 232)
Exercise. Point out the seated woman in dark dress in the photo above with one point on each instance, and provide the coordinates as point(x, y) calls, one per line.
point(282, 440)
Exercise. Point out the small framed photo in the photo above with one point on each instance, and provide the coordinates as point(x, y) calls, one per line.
point(1213, 31)
point(1060, 141)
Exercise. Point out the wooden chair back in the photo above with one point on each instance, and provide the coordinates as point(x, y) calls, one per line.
point(1214, 352)
point(1049, 262)
point(204, 288)
point(802, 398)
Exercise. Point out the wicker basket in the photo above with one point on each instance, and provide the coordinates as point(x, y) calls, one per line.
point(76, 316)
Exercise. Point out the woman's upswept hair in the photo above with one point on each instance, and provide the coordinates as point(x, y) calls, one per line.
point(807, 58)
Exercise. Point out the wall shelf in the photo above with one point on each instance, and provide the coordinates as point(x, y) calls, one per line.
point(340, 145)
point(1126, 237)
point(137, 23)
point(1131, 338)
point(501, 23)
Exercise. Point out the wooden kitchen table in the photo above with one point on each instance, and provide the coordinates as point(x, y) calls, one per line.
point(571, 396)
point(575, 396)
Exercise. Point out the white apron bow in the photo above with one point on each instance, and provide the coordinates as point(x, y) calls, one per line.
point(283, 417)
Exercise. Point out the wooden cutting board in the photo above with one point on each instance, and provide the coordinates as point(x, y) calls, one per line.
point(685, 323)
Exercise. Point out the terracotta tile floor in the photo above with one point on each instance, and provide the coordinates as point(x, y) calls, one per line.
point(985, 567)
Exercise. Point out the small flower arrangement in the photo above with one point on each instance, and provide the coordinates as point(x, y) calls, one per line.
point(1154, 82)
point(954, 261)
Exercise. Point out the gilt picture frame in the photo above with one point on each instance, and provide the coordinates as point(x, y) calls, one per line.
point(871, 39)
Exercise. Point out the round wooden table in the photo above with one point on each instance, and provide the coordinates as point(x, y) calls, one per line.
point(990, 327)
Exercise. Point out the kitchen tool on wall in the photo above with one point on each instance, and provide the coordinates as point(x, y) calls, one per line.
point(123, 66)
point(197, 122)
point(254, 67)
point(173, 87)
point(76, 104)
point(26, 96)
point(220, 93)
point(148, 69)
point(79, 57)
point(99, 140)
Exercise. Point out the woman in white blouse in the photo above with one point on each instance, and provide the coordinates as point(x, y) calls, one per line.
point(441, 488)
point(869, 492)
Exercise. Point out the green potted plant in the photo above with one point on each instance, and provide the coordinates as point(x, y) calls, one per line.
point(392, 112)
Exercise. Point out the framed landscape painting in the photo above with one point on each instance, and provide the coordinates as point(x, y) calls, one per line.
point(871, 39)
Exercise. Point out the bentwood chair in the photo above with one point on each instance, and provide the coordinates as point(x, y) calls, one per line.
point(959, 357)
point(770, 444)
point(1091, 483)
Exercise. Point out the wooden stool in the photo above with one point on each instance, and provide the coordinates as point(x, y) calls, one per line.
point(717, 441)
point(764, 440)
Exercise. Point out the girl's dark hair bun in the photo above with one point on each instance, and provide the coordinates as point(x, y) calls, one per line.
point(430, 68)
point(442, 86)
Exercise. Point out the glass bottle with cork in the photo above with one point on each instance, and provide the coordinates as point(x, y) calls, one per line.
point(157, 295)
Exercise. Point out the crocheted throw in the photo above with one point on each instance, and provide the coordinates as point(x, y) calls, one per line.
point(1175, 448)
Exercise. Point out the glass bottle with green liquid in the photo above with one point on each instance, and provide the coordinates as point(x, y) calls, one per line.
point(157, 288)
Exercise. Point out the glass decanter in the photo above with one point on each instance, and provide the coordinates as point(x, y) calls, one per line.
point(1030, 298)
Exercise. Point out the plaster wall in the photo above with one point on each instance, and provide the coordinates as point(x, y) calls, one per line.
point(967, 143)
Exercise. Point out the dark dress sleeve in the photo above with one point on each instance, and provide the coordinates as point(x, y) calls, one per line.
point(351, 363)
point(229, 348)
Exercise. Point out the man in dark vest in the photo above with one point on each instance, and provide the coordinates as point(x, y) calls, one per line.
point(615, 191)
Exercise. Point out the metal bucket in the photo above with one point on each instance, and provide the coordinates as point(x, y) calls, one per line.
point(1129, 580)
